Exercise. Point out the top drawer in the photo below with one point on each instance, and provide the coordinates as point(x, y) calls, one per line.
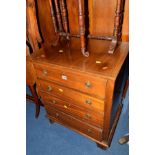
point(79, 81)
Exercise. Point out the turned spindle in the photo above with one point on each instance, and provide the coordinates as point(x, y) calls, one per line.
point(53, 16)
point(117, 26)
point(64, 15)
point(58, 15)
point(118, 19)
point(82, 27)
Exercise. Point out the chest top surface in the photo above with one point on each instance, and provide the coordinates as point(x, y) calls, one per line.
point(68, 55)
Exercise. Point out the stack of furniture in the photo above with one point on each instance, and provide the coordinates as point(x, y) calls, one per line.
point(80, 74)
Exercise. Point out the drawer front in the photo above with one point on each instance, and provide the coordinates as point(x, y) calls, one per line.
point(76, 97)
point(70, 108)
point(79, 81)
point(75, 124)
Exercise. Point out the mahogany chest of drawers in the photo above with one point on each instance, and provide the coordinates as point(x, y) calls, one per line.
point(79, 92)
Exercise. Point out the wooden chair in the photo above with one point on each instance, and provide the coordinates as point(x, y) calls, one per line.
point(60, 13)
point(33, 40)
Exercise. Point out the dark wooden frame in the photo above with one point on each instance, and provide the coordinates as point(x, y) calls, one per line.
point(34, 98)
point(116, 32)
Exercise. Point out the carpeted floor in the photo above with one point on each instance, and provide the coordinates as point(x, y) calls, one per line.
point(44, 138)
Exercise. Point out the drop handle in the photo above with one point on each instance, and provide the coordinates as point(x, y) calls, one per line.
point(87, 84)
point(89, 102)
point(49, 88)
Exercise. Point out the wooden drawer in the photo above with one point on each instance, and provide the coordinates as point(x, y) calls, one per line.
point(83, 82)
point(74, 124)
point(71, 109)
point(80, 99)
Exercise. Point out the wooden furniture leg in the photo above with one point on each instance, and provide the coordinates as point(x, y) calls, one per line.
point(36, 100)
point(117, 26)
point(101, 146)
point(51, 122)
point(53, 16)
point(64, 15)
point(58, 15)
point(82, 28)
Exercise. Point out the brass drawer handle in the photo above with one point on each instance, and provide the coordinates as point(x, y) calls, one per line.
point(45, 72)
point(88, 116)
point(88, 84)
point(49, 88)
point(57, 115)
point(88, 102)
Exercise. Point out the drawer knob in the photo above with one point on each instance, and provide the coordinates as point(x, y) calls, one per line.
point(45, 72)
point(88, 102)
point(88, 116)
point(89, 131)
point(57, 115)
point(49, 88)
point(88, 84)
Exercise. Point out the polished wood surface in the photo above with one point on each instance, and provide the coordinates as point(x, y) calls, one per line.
point(32, 31)
point(78, 91)
point(125, 28)
point(63, 75)
point(70, 95)
point(101, 19)
point(81, 82)
point(45, 22)
point(75, 124)
point(70, 108)
point(99, 62)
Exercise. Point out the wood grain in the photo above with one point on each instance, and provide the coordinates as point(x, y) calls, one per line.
point(74, 123)
point(73, 96)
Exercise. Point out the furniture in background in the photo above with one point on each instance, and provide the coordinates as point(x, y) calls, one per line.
point(81, 68)
point(125, 139)
point(32, 44)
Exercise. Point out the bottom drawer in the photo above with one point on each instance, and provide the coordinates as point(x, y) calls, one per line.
point(74, 123)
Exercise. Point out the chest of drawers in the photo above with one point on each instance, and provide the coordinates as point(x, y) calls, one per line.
point(79, 92)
